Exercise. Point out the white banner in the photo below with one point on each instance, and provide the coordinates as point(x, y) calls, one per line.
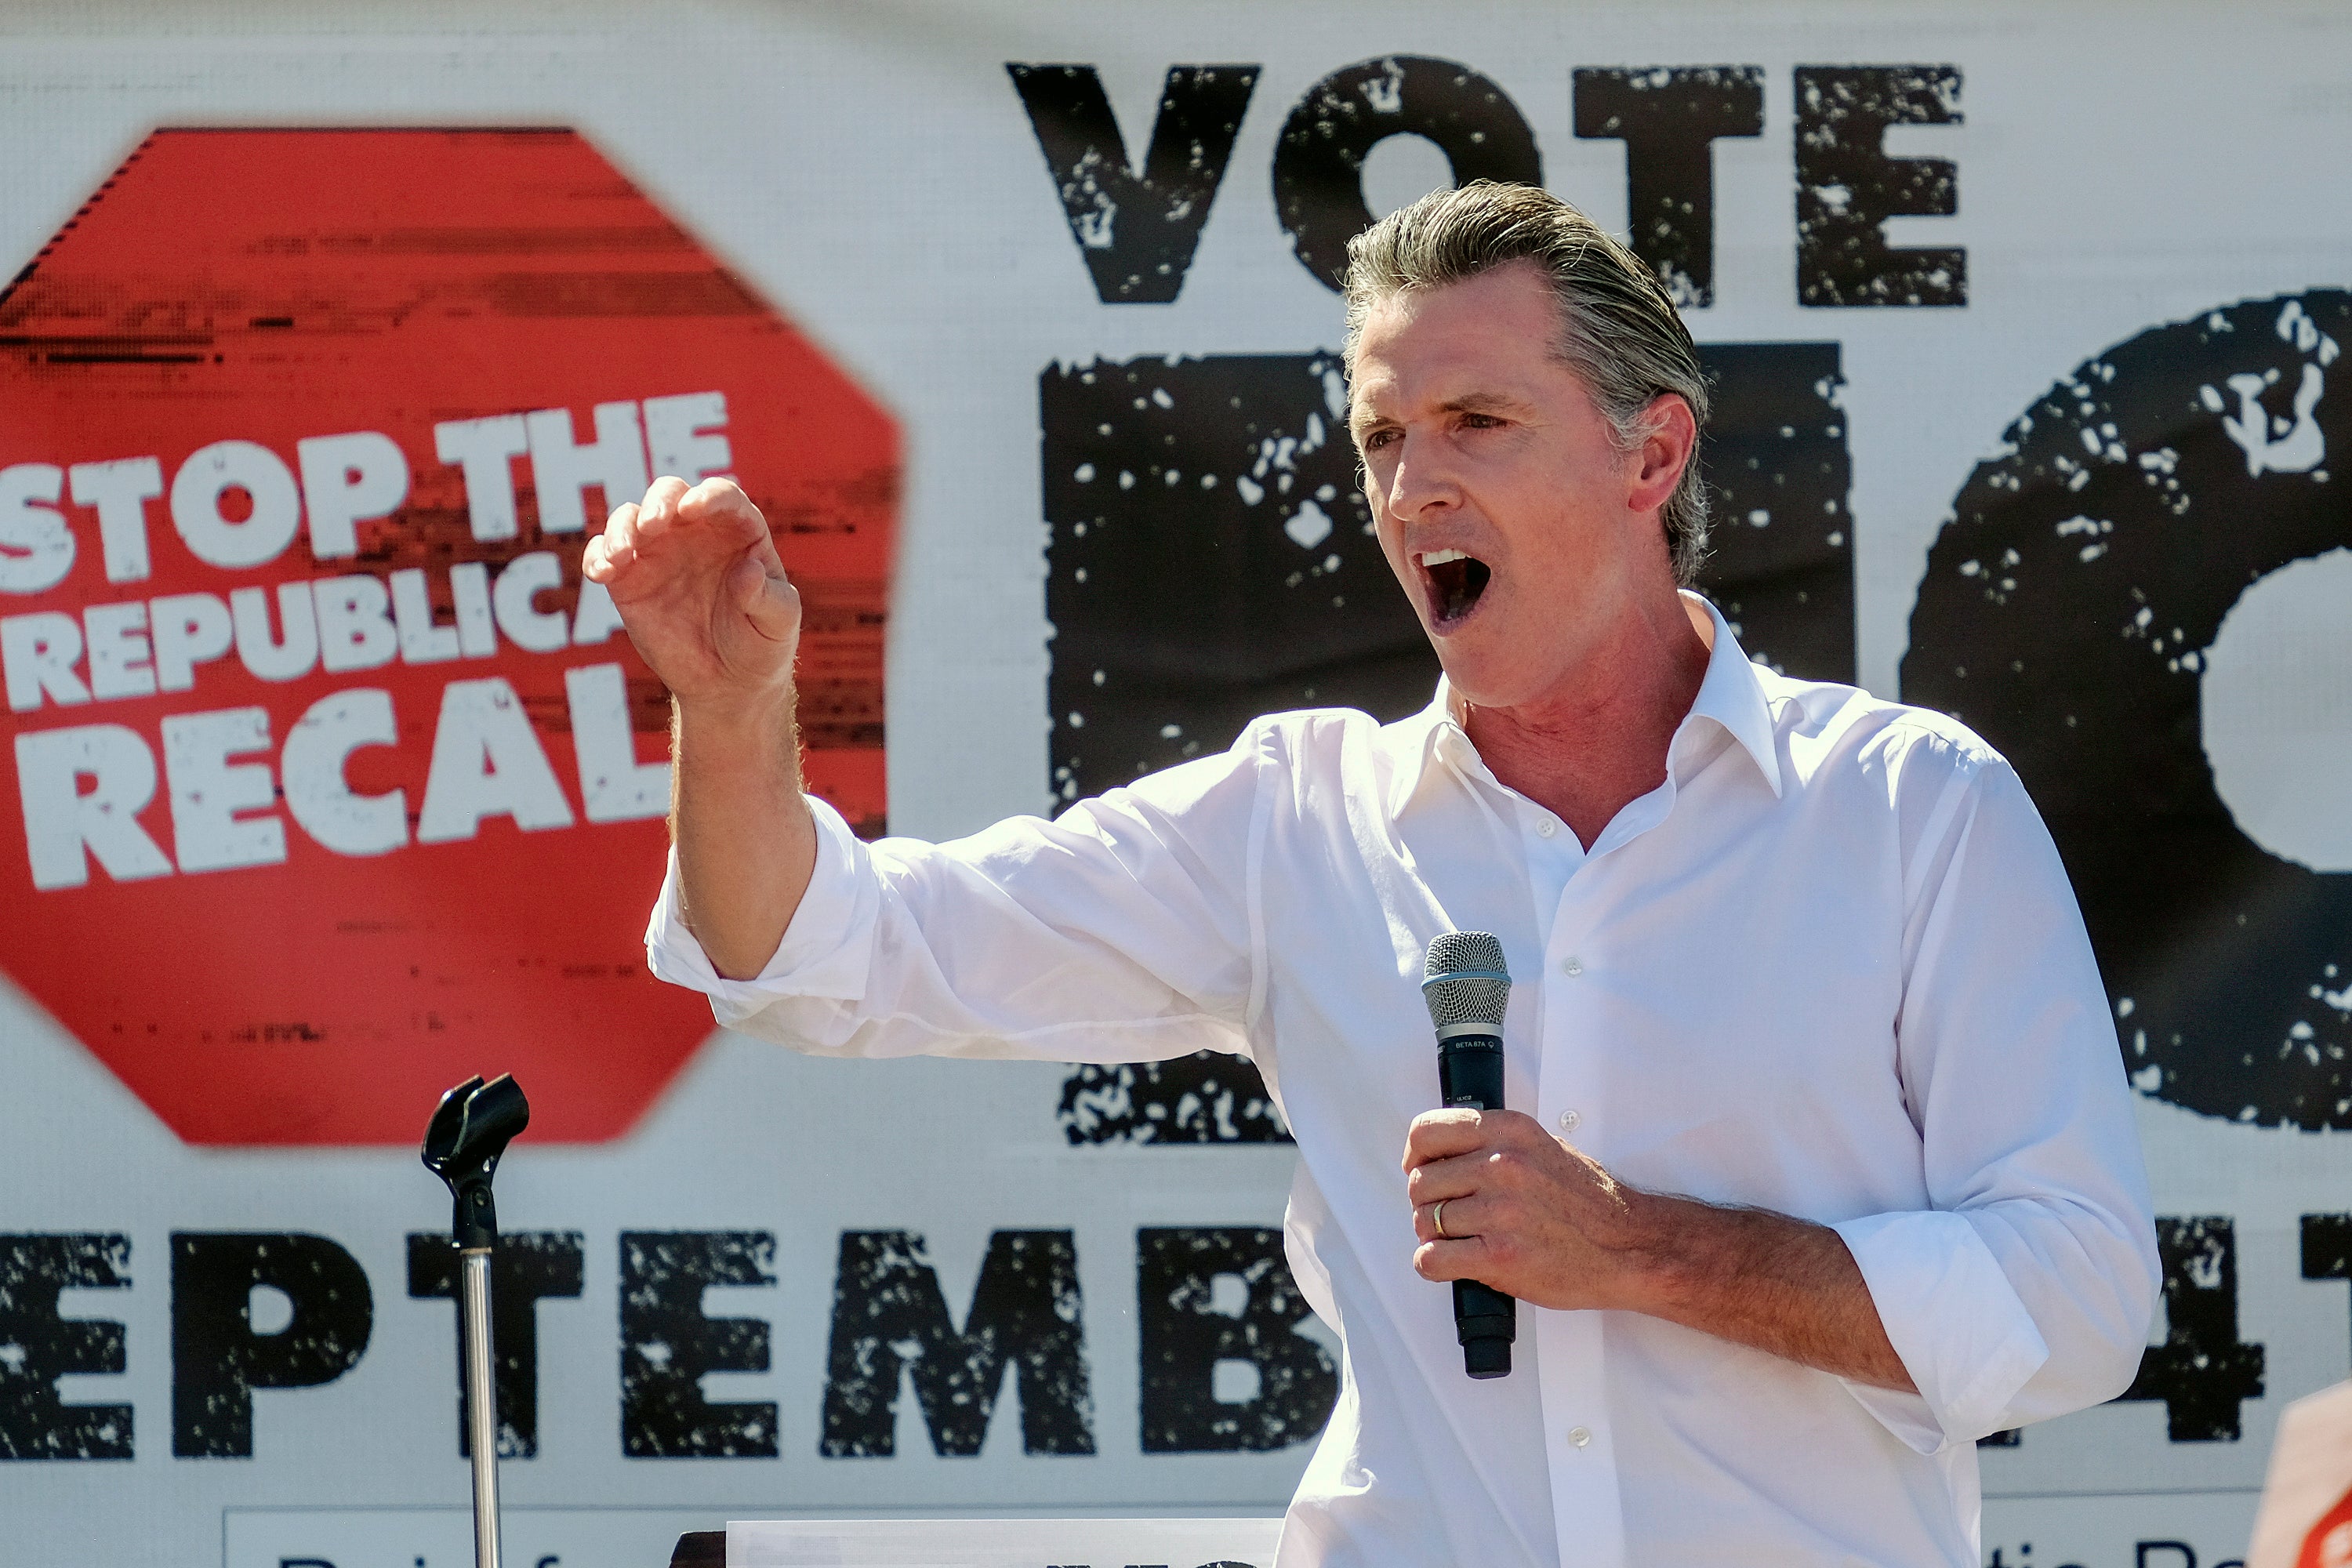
point(333, 329)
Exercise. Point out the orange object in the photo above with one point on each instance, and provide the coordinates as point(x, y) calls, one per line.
point(2329, 1544)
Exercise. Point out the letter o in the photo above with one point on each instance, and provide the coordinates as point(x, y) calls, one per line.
point(2065, 613)
point(211, 472)
point(1318, 163)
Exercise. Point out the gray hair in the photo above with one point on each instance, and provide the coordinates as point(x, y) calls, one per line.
point(1619, 330)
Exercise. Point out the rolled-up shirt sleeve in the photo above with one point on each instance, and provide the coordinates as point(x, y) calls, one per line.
point(1123, 930)
point(2028, 1289)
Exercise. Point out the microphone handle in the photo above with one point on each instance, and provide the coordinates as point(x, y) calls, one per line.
point(1470, 1072)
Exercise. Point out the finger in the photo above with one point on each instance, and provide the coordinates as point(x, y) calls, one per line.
point(1440, 1134)
point(721, 504)
point(720, 501)
point(1464, 1219)
point(620, 535)
point(1515, 1127)
point(1456, 1177)
point(597, 562)
point(717, 494)
point(658, 513)
point(770, 601)
point(1465, 1259)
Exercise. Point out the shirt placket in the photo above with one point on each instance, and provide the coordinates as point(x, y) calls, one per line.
point(1579, 1440)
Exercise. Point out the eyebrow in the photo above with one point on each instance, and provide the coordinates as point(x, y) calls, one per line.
point(1478, 402)
point(1468, 403)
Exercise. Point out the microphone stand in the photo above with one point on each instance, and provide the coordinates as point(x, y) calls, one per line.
point(470, 1129)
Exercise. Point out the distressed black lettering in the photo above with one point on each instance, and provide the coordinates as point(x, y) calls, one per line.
point(1206, 1097)
point(1669, 119)
point(2328, 1245)
point(526, 1266)
point(1137, 231)
point(1188, 1326)
point(217, 1358)
point(1780, 558)
point(667, 1345)
point(1318, 163)
point(2201, 1372)
point(2069, 612)
point(1211, 557)
point(889, 1317)
point(37, 1346)
point(1847, 187)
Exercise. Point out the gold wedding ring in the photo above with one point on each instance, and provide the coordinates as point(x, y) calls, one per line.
point(1437, 1218)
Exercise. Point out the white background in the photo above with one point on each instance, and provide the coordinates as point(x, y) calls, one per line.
point(870, 170)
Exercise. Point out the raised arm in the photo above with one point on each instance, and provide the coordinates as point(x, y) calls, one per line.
point(704, 597)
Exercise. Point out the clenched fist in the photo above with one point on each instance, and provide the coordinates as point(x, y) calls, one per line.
point(703, 594)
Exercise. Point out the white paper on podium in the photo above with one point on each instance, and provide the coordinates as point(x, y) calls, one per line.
point(1001, 1543)
point(2309, 1487)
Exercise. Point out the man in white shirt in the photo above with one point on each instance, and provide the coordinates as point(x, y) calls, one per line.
point(1826, 1166)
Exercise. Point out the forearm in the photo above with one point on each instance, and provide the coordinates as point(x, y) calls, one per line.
point(1537, 1219)
point(746, 842)
point(1784, 1286)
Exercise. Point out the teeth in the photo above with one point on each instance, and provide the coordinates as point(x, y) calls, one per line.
point(1440, 557)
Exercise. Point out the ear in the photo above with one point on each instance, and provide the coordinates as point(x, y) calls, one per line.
point(1656, 463)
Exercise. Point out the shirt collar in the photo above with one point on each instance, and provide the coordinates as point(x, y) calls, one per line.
point(1731, 694)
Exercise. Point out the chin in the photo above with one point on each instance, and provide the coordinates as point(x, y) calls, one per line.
point(1484, 677)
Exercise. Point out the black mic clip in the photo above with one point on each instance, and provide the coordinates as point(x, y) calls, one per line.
point(469, 1130)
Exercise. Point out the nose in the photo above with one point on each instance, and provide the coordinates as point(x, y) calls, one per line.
point(1420, 480)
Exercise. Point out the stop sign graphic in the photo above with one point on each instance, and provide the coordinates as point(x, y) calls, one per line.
point(332, 782)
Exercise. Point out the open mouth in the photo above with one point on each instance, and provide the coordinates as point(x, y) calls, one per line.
point(1455, 581)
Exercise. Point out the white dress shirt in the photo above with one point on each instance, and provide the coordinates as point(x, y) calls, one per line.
point(1830, 966)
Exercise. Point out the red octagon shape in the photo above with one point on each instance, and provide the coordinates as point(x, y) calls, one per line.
point(290, 880)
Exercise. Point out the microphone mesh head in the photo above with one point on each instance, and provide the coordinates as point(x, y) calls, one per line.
point(1465, 980)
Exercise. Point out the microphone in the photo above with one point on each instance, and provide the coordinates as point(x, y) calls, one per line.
point(1467, 988)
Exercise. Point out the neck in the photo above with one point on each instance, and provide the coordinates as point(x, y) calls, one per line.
point(1598, 738)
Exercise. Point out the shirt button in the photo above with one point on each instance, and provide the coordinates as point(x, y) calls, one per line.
point(1580, 1435)
point(1546, 827)
point(1571, 966)
point(1569, 1120)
